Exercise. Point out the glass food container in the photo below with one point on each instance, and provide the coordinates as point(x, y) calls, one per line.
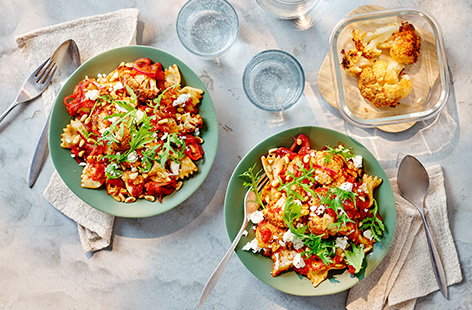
point(429, 75)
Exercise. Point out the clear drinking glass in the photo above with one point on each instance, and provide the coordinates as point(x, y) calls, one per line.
point(207, 28)
point(287, 9)
point(273, 80)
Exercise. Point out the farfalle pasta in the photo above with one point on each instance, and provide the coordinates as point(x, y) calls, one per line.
point(135, 131)
point(317, 211)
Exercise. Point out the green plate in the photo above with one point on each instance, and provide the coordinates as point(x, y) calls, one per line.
point(70, 171)
point(261, 266)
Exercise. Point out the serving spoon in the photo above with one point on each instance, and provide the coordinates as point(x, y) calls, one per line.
point(413, 183)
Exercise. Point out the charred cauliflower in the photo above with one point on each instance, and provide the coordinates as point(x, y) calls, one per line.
point(383, 84)
point(354, 62)
point(404, 45)
point(368, 42)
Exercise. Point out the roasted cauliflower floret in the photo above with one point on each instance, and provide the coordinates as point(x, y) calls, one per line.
point(404, 45)
point(353, 62)
point(383, 85)
point(368, 42)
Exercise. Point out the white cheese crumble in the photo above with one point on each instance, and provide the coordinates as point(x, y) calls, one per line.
point(298, 261)
point(320, 210)
point(181, 99)
point(297, 243)
point(288, 236)
point(245, 233)
point(92, 94)
point(341, 242)
point(256, 217)
point(346, 186)
point(139, 116)
point(82, 164)
point(164, 136)
point(118, 85)
point(357, 161)
point(282, 243)
point(368, 234)
point(132, 157)
point(252, 246)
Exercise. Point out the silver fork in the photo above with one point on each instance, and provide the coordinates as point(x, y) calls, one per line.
point(249, 206)
point(34, 85)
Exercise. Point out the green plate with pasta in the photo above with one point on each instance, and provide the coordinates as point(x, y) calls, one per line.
point(290, 281)
point(137, 122)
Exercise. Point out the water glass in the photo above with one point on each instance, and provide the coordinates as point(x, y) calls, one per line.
point(207, 28)
point(287, 9)
point(273, 80)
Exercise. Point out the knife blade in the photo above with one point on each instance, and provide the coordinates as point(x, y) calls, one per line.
point(68, 59)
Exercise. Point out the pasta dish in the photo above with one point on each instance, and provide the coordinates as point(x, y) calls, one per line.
point(318, 211)
point(135, 131)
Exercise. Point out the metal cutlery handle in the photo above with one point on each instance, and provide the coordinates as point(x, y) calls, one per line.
point(39, 154)
point(8, 110)
point(215, 276)
point(438, 268)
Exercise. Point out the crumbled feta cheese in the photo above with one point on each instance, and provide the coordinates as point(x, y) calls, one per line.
point(320, 210)
point(298, 261)
point(282, 243)
point(256, 217)
point(245, 233)
point(132, 157)
point(357, 161)
point(347, 186)
point(164, 136)
point(252, 246)
point(92, 94)
point(298, 202)
point(181, 99)
point(72, 155)
point(174, 167)
point(197, 131)
point(82, 164)
point(297, 243)
point(118, 85)
point(139, 116)
point(288, 236)
point(368, 234)
point(313, 208)
point(341, 242)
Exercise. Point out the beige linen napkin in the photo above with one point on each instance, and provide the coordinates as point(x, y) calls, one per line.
point(93, 35)
point(406, 272)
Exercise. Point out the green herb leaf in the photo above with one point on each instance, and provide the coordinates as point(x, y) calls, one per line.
point(250, 180)
point(112, 171)
point(355, 258)
point(373, 223)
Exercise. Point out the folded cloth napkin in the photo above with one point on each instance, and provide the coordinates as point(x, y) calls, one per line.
point(406, 272)
point(93, 35)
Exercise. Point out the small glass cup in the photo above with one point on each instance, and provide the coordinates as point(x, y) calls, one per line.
point(207, 28)
point(287, 9)
point(273, 80)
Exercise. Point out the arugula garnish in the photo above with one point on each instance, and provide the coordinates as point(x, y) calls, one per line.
point(172, 145)
point(112, 171)
point(355, 257)
point(157, 100)
point(345, 152)
point(250, 180)
point(334, 199)
point(373, 223)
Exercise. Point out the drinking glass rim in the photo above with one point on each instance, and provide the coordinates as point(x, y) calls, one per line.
point(180, 35)
point(252, 63)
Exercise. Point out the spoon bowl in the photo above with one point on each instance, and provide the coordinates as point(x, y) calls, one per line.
point(413, 183)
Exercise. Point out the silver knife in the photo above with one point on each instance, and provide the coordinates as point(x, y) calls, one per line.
point(68, 59)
